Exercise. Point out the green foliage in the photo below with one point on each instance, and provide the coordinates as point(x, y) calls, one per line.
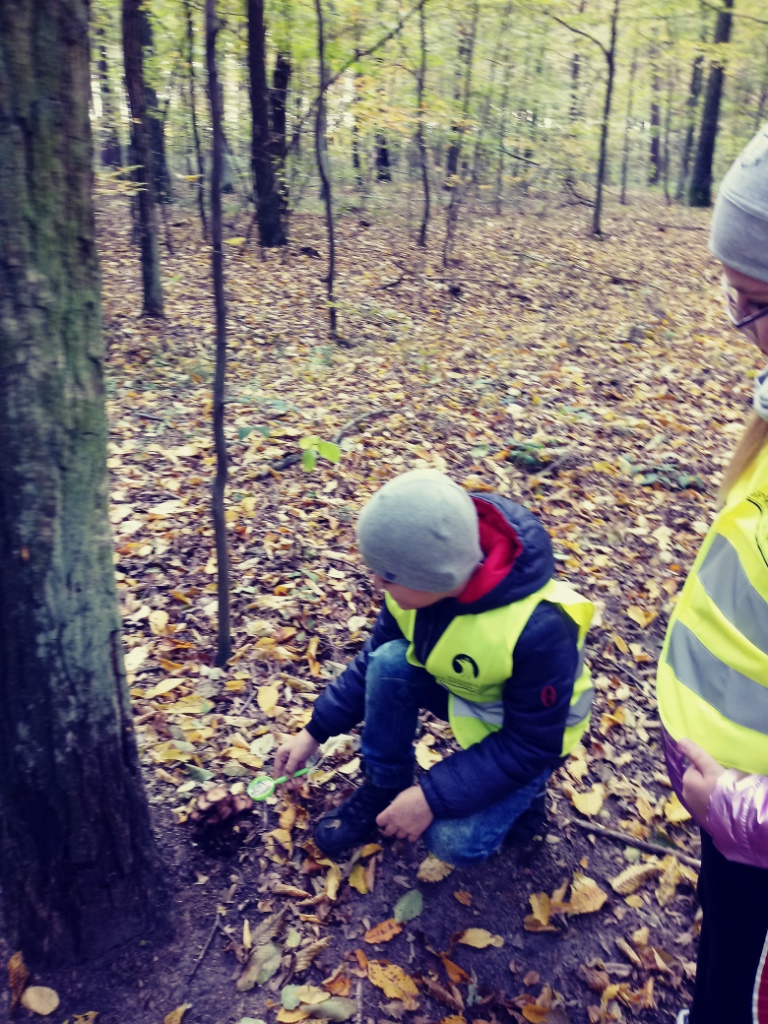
point(315, 448)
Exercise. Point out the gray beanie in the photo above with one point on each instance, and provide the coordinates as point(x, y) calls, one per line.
point(421, 530)
point(739, 232)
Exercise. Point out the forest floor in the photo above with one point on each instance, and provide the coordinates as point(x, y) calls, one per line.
point(593, 381)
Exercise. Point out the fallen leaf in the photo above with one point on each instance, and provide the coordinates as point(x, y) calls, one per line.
point(674, 811)
point(590, 803)
point(18, 976)
point(455, 973)
point(586, 896)
point(432, 869)
point(631, 878)
point(267, 698)
point(41, 1000)
point(427, 756)
point(335, 1009)
point(463, 897)
point(311, 994)
point(384, 931)
point(262, 965)
point(409, 906)
point(479, 938)
point(357, 879)
point(307, 954)
point(393, 982)
point(333, 881)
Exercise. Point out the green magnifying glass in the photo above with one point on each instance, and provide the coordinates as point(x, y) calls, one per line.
point(263, 786)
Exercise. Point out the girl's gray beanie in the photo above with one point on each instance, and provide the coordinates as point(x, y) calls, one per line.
point(421, 530)
point(739, 231)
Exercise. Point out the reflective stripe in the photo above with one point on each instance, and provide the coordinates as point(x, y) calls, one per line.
point(737, 697)
point(490, 712)
point(578, 712)
point(728, 587)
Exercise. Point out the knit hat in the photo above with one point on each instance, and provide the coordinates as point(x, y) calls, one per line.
point(421, 530)
point(739, 232)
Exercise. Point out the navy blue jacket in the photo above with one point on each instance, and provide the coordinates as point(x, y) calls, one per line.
point(545, 661)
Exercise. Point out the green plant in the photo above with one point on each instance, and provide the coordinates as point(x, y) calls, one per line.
point(315, 448)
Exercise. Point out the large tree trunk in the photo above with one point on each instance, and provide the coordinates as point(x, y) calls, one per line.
point(694, 91)
point(268, 204)
point(700, 189)
point(77, 862)
point(142, 159)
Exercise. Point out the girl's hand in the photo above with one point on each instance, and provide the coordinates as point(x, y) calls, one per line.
point(293, 754)
point(407, 816)
point(700, 778)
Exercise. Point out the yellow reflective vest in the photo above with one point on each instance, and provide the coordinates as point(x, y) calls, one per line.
point(474, 657)
point(712, 681)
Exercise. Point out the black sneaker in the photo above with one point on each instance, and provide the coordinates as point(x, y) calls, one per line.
point(352, 822)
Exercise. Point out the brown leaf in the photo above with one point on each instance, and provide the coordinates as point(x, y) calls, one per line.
point(384, 931)
point(455, 973)
point(18, 976)
point(307, 954)
point(449, 996)
point(464, 897)
point(393, 982)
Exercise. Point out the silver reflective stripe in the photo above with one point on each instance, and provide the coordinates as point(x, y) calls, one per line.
point(737, 697)
point(490, 712)
point(727, 585)
point(578, 712)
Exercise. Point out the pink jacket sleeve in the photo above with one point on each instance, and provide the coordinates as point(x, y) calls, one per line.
point(737, 817)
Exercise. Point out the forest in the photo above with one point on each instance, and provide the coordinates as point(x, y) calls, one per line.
point(257, 259)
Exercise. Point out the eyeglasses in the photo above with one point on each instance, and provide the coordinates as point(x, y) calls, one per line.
point(735, 304)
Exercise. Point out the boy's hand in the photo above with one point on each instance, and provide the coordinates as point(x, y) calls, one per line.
point(293, 754)
point(700, 778)
point(407, 816)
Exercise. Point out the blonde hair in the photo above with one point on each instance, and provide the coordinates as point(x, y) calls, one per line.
point(753, 439)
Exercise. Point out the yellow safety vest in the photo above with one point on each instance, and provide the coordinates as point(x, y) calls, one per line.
point(473, 659)
point(712, 681)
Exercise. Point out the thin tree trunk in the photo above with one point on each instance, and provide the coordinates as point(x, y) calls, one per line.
point(502, 125)
point(654, 171)
point(268, 203)
point(156, 120)
point(281, 78)
point(602, 163)
point(322, 168)
point(224, 649)
point(627, 129)
point(193, 114)
point(692, 102)
point(453, 182)
point(700, 189)
point(666, 145)
point(142, 159)
point(78, 866)
point(421, 79)
point(111, 150)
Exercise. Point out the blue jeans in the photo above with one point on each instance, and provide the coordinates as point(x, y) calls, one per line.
point(395, 692)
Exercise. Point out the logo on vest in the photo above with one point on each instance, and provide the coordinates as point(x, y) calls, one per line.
point(760, 500)
point(464, 659)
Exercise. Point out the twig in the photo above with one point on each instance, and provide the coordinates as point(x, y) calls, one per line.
point(206, 947)
point(641, 844)
point(358, 419)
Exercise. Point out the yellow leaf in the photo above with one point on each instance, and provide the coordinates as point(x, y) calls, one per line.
point(394, 982)
point(176, 1016)
point(291, 1016)
point(479, 938)
point(311, 995)
point(86, 1018)
point(641, 616)
point(620, 643)
point(426, 756)
point(158, 621)
point(432, 869)
point(590, 803)
point(384, 931)
point(162, 688)
point(369, 849)
point(586, 896)
point(535, 1014)
point(454, 1018)
point(636, 902)
point(333, 881)
point(674, 811)
point(357, 879)
point(633, 877)
point(40, 1000)
point(267, 698)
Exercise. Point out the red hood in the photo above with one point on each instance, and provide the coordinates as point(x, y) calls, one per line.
point(501, 547)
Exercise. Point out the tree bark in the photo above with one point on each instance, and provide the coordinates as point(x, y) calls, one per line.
point(421, 145)
point(700, 189)
point(78, 868)
point(281, 79)
point(142, 158)
point(268, 204)
point(602, 161)
point(325, 178)
point(155, 119)
point(694, 91)
point(111, 150)
point(654, 170)
point(193, 115)
point(217, 262)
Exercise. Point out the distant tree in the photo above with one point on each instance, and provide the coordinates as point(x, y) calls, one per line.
point(268, 203)
point(700, 188)
point(141, 158)
point(78, 867)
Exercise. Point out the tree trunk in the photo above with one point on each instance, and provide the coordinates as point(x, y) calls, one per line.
point(694, 91)
point(602, 162)
point(155, 120)
point(111, 151)
point(627, 128)
point(463, 92)
point(654, 171)
point(322, 168)
point(77, 861)
point(383, 172)
point(142, 158)
point(193, 115)
point(217, 260)
point(268, 204)
point(421, 144)
point(281, 79)
point(700, 189)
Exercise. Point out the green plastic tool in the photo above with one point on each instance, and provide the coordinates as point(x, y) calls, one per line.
point(263, 786)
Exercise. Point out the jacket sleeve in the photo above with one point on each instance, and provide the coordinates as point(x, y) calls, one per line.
point(536, 701)
point(341, 705)
point(737, 817)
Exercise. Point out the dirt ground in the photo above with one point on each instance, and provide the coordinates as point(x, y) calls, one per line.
point(591, 380)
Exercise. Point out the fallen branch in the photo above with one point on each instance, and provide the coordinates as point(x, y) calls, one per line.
point(206, 947)
point(641, 844)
